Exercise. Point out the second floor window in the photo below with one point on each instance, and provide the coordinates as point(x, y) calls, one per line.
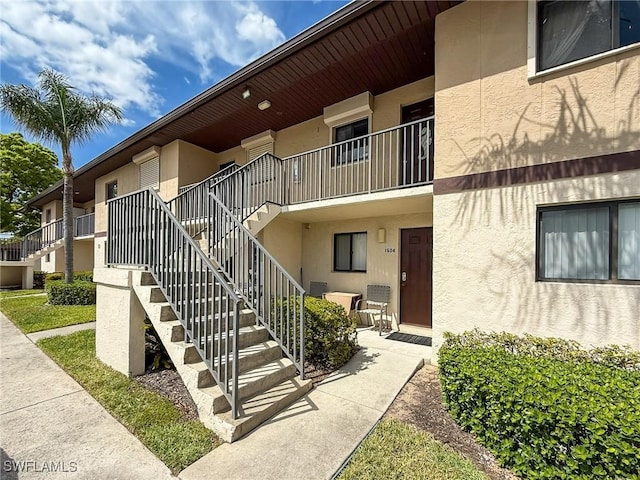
point(572, 30)
point(112, 190)
point(356, 149)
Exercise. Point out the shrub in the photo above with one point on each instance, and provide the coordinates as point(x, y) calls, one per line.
point(546, 407)
point(38, 279)
point(85, 276)
point(330, 339)
point(76, 293)
point(53, 277)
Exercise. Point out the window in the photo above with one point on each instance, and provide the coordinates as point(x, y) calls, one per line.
point(47, 257)
point(48, 216)
point(598, 242)
point(150, 173)
point(350, 252)
point(572, 30)
point(356, 150)
point(112, 190)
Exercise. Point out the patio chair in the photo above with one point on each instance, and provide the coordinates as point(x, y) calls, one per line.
point(376, 302)
point(316, 289)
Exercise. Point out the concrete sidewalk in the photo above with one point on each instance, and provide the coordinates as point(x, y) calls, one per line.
point(313, 437)
point(47, 422)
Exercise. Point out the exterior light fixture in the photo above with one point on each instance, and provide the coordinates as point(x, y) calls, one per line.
point(382, 235)
point(263, 105)
point(246, 93)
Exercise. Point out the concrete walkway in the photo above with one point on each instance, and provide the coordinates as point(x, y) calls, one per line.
point(54, 332)
point(47, 422)
point(313, 437)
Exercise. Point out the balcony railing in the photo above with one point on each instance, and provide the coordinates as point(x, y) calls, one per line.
point(11, 251)
point(84, 225)
point(389, 159)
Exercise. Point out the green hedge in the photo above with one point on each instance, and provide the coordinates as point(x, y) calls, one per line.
point(546, 407)
point(38, 279)
point(330, 336)
point(77, 293)
point(85, 276)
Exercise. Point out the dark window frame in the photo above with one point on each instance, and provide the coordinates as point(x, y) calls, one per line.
point(613, 242)
point(110, 191)
point(343, 153)
point(335, 249)
point(614, 27)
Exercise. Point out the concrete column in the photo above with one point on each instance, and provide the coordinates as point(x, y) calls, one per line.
point(119, 322)
point(27, 277)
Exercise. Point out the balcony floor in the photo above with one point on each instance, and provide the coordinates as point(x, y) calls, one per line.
point(379, 204)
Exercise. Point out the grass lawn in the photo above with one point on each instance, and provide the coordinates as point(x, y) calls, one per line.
point(395, 450)
point(31, 314)
point(19, 293)
point(149, 416)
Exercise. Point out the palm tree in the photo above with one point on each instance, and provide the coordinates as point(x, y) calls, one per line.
point(55, 112)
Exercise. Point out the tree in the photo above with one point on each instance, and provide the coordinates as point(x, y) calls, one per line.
point(26, 169)
point(55, 112)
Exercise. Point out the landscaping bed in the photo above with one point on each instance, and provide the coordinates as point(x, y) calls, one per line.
point(420, 404)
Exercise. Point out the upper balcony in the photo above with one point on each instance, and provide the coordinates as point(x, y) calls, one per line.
point(390, 159)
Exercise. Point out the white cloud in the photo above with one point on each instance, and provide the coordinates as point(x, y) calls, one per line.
point(107, 47)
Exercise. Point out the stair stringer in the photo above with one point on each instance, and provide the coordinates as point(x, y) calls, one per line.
point(272, 377)
point(46, 250)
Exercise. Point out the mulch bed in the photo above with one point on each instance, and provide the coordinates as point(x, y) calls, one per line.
point(420, 404)
point(169, 384)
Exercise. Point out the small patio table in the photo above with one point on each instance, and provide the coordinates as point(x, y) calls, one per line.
point(346, 299)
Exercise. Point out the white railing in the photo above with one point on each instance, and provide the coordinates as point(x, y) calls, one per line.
point(389, 159)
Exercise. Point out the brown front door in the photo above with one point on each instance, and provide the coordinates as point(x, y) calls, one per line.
point(416, 257)
point(417, 139)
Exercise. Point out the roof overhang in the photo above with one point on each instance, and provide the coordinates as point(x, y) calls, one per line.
point(364, 46)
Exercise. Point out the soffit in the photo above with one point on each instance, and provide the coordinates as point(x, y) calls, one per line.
point(379, 47)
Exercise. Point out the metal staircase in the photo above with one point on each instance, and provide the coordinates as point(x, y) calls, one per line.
point(230, 312)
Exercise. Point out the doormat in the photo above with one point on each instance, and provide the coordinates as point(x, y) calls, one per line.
point(408, 338)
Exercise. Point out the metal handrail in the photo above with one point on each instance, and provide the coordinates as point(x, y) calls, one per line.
point(42, 237)
point(84, 225)
point(252, 185)
point(191, 204)
point(11, 250)
point(388, 159)
point(275, 297)
point(142, 231)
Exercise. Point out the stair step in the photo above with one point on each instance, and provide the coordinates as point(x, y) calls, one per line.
point(256, 410)
point(249, 358)
point(247, 336)
point(254, 381)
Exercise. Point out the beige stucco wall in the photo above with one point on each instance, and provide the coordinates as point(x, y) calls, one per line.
point(128, 181)
point(195, 164)
point(82, 255)
point(169, 161)
point(490, 115)
point(56, 211)
point(484, 266)
point(10, 276)
point(283, 240)
point(383, 259)
point(119, 322)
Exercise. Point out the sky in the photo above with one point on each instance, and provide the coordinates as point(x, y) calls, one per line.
point(146, 56)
